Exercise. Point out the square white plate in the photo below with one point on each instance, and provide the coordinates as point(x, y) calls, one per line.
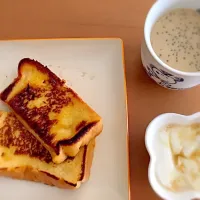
point(94, 68)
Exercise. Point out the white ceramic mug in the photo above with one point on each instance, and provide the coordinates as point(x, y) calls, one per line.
point(160, 72)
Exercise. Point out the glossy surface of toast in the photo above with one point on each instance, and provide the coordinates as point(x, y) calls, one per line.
point(51, 111)
point(21, 153)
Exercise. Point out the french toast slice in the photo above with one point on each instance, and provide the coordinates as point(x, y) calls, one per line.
point(22, 156)
point(51, 111)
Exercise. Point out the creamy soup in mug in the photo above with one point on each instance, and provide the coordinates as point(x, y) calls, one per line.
point(175, 38)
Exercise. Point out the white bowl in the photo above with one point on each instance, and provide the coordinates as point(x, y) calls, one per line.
point(158, 154)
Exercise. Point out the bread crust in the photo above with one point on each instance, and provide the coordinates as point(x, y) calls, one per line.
point(84, 140)
point(31, 174)
point(63, 148)
point(17, 143)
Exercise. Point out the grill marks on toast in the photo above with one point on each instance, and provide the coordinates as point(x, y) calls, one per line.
point(14, 134)
point(38, 117)
point(48, 109)
point(51, 111)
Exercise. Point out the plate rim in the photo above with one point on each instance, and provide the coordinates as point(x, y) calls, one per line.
point(124, 83)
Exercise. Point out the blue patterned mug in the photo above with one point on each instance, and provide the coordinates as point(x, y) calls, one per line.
point(160, 72)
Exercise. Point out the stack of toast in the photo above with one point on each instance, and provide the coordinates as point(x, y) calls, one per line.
point(49, 135)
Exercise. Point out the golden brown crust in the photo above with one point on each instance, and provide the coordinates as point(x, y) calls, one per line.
point(37, 119)
point(16, 141)
point(44, 69)
point(29, 174)
point(54, 79)
point(88, 161)
point(94, 131)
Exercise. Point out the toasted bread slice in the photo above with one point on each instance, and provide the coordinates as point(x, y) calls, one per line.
point(22, 156)
point(51, 111)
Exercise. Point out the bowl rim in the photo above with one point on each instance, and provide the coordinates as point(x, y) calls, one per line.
point(147, 34)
